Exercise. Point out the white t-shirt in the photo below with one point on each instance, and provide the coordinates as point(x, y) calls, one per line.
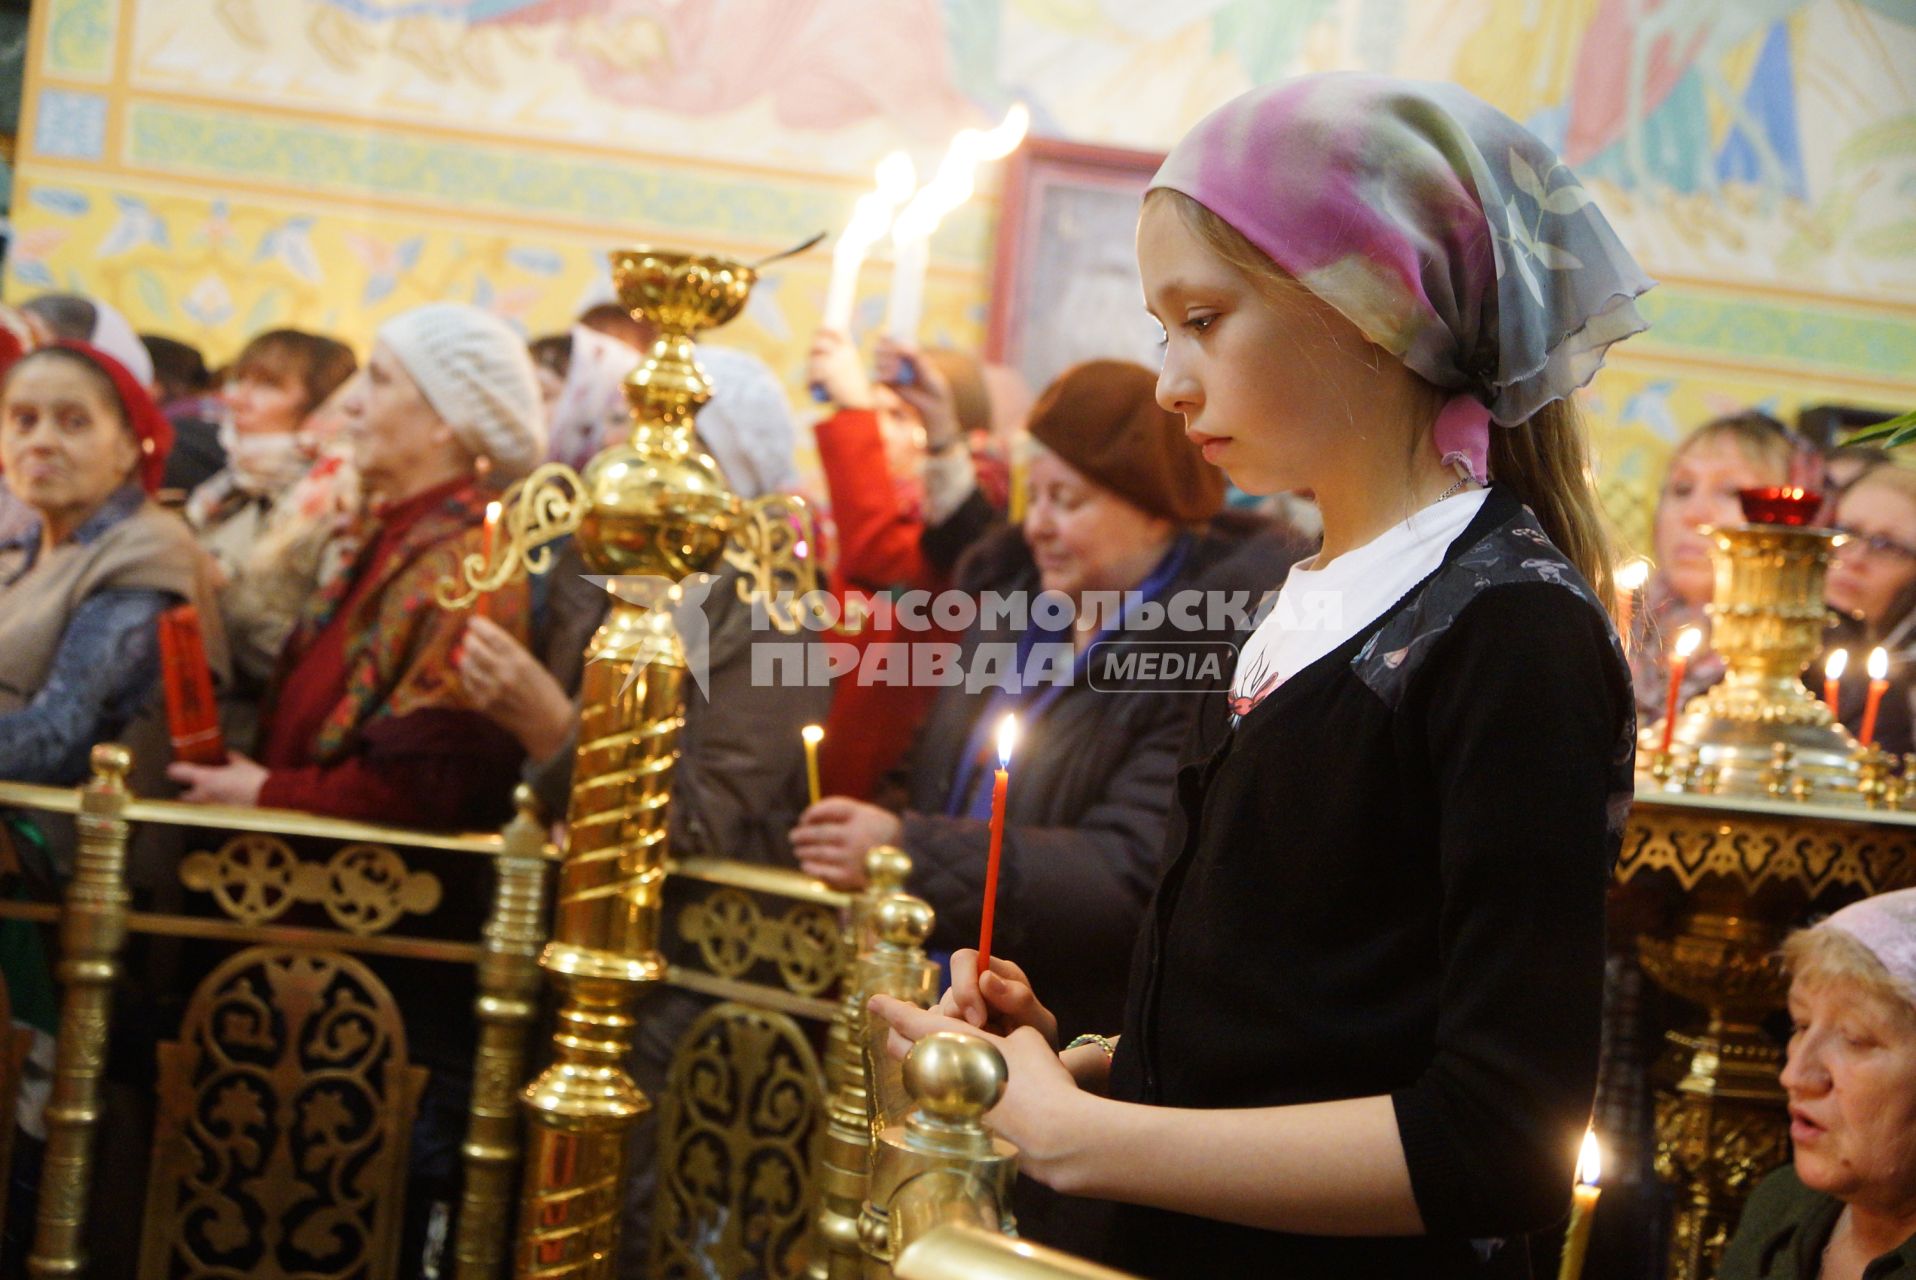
point(1319, 609)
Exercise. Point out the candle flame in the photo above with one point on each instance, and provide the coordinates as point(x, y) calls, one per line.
point(812, 733)
point(1633, 574)
point(872, 215)
point(1007, 738)
point(1590, 1159)
point(1687, 641)
point(493, 511)
point(954, 182)
point(1879, 663)
point(1836, 664)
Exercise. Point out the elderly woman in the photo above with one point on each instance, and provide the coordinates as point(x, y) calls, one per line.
point(1845, 1207)
point(367, 717)
point(83, 447)
point(1120, 503)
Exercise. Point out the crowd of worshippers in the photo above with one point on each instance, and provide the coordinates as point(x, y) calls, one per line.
point(308, 500)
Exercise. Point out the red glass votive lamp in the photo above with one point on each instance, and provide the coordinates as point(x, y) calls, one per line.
point(1781, 504)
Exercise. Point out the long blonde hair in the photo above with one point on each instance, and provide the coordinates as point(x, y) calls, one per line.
point(1545, 460)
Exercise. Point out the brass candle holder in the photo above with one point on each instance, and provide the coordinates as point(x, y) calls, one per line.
point(1767, 621)
point(653, 510)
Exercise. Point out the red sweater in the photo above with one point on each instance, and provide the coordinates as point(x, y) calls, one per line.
point(437, 766)
point(871, 726)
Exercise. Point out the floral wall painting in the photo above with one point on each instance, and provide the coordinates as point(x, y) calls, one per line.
point(217, 166)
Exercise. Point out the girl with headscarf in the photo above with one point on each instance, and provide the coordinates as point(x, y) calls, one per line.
point(366, 717)
point(83, 448)
point(1362, 1029)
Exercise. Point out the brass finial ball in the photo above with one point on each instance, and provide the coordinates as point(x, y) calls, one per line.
point(901, 920)
point(887, 867)
point(111, 761)
point(955, 1078)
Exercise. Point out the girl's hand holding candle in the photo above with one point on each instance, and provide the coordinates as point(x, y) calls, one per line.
point(1000, 780)
point(813, 735)
point(1833, 668)
point(1686, 644)
point(1878, 686)
point(1583, 1208)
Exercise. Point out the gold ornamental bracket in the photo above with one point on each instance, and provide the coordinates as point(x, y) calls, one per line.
point(655, 505)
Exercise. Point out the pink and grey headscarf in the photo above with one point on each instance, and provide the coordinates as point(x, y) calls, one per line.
point(1445, 231)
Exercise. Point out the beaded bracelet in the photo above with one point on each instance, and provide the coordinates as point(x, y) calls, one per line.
point(1089, 1037)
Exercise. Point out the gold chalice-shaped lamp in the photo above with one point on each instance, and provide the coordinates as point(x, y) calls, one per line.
point(648, 513)
point(1760, 731)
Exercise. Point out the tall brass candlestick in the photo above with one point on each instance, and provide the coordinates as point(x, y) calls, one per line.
point(655, 508)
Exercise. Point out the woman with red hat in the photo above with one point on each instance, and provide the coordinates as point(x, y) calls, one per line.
point(84, 447)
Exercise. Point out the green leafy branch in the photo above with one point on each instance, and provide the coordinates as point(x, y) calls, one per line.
point(1899, 430)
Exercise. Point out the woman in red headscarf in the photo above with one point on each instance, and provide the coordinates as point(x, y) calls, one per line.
point(84, 447)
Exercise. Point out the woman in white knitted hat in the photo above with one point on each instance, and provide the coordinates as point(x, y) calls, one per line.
point(367, 717)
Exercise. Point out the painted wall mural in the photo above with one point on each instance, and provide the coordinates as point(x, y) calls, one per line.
point(217, 166)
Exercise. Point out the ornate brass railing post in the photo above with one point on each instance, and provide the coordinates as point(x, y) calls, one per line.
point(942, 1165)
point(92, 931)
point(845, 1157)
point(655, 510)
point(508, 1002)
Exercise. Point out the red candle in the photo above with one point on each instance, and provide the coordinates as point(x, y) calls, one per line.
point(1686, 642)
point(1833, 668)
point(488, 536)
point(1878, 686)
point(1007, 736)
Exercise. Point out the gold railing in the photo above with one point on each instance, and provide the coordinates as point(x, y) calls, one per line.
point(877, 1171)
point(292, 981)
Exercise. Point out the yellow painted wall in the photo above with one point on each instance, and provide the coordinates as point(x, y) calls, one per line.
point(214, 167)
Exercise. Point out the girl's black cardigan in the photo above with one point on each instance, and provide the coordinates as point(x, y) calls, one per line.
point(1389, 879)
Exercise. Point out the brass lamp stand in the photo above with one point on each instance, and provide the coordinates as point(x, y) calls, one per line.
point(1764, 812)
point(654, 510)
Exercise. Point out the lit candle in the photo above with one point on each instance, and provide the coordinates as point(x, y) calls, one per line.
point(1686, 642)
point(949, 188)
point(1878, 686)
point(1007, 737)
point(870, 220)
point(1630, 579)
point(1583, 1208)
point(487, 538)
point(1833, 668)
point(813, 735)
